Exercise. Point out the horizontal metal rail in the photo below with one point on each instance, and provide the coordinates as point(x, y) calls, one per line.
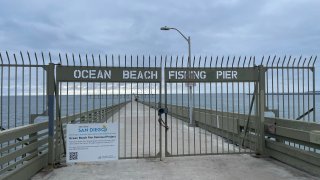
point(16, 156)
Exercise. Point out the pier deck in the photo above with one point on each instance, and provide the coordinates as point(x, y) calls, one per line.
point(237, 166)
point(200, 167)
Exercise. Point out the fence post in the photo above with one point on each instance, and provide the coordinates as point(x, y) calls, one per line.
point(50, 101)
point(262, 70)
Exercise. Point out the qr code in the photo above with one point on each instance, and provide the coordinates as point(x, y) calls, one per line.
point(73, 155)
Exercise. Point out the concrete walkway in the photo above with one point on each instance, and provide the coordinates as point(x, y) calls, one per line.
point(200, 167)
point(139, 137)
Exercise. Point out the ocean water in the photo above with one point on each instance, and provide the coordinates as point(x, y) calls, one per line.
point(15, 110)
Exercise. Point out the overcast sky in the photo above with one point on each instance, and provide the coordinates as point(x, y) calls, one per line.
point(216, 27)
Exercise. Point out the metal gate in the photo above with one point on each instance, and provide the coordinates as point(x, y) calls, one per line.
point(213, 108)
point(111, 91)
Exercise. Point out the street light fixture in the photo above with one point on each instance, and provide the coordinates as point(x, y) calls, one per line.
point(188, 39)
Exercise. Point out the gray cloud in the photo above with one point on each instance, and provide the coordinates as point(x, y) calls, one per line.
point(218, 27)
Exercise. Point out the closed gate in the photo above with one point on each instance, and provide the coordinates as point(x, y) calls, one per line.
point(213, 109)
point(112, 93)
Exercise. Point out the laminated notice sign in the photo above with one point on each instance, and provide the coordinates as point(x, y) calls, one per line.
point(92, 142)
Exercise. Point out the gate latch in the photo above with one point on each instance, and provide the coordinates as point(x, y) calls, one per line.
point(161, 122)
point(162, 110)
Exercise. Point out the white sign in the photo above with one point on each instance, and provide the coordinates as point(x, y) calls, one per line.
point(92, 142)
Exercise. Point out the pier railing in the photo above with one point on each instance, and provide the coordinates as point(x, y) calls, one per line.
point(24, 150)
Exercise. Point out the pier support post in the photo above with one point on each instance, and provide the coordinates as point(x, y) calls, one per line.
point(50, 106)
point(261, 110)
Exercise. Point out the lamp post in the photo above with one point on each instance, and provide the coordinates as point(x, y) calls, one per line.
point(188, 39)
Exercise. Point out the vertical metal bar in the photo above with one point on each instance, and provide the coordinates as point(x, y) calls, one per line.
point(29, 81)
point(15, 91)
point(112, 106)
point(267, 84)
point(144, 118)
point(67, 100)
point(15, 98)
point(43, 84)
point(238, 107)
point(283, 91)
point(222, 111)
point(205, 110)
point(298, 79)
point(80, 91)
point(278, 95)
point(74, 90)
point(211, 109)
point(93, 116)
point(272, 81)
point(155, 116)
point(288, 88)
point(303, 90)
point(200, 142)
point(249, 98)
point(314, 90)
point(182, 108)
point(59, 101)
point(149, 116)
point(166, 107)
point(232, 89)
point(228, 129)
point(87, 94)
point(309, 88)
point(8, 97)
point(160, 102)
point(131, 110)
point(125, 113)
point(176, 103)
point(137, 91)
point(119, 123)
point(210, 105)
point(293, 91)
point(171, 103)
point(216, 113)
point(100, 104)
point(244, 103)
point(192, 101)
